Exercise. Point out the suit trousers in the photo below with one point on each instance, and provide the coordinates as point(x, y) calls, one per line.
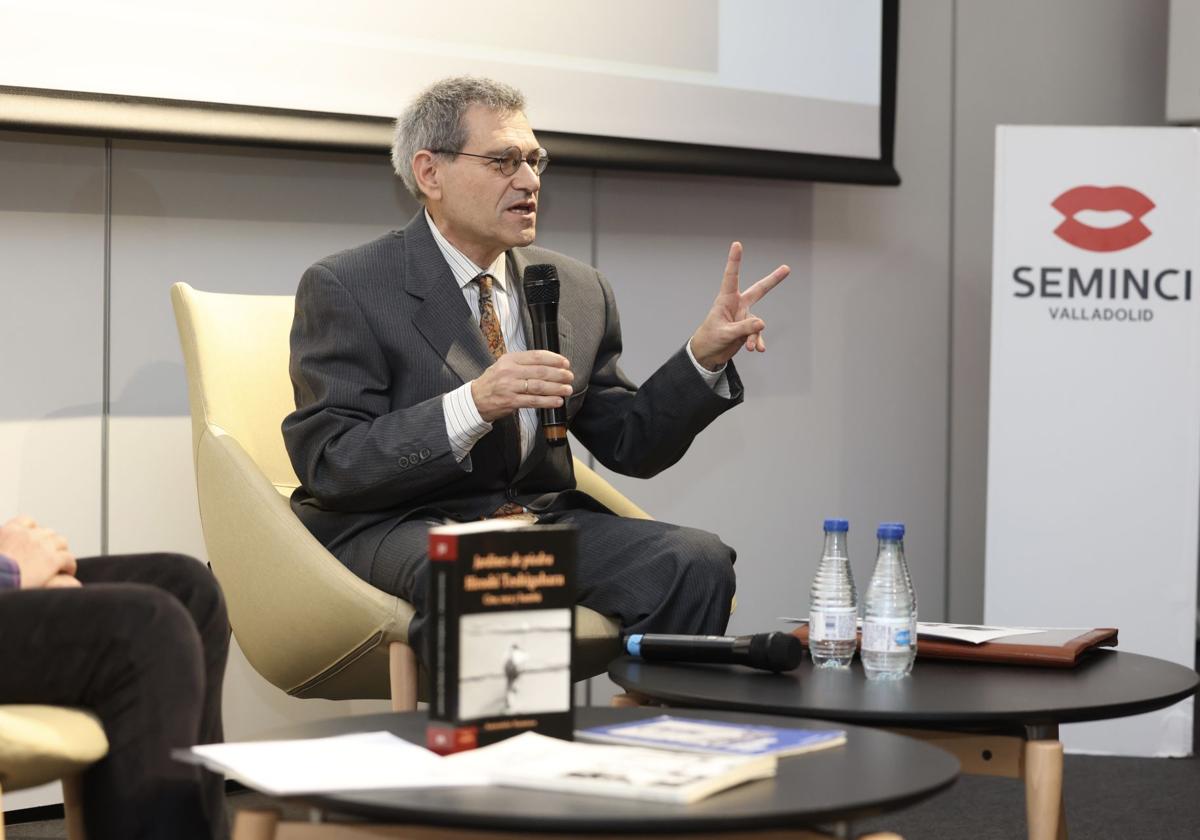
point(652, 577)
point(142, 644)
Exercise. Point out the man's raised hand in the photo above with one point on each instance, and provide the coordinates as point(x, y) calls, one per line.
point(729, 324)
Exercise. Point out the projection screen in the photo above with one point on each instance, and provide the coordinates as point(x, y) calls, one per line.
point(785, 88)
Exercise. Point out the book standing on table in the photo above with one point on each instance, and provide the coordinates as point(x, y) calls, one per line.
point(502, 598)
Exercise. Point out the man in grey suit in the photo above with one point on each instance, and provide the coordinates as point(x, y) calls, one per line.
point(417, 395)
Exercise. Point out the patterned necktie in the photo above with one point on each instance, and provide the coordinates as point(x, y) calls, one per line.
point(489, 325)
point(489, 322)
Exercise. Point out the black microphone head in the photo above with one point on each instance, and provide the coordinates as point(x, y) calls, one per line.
point(541, 284)
point(775, 651)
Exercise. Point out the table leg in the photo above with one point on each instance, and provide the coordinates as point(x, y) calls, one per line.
point(631, 700)
point(73, 806)
point(255, 824)
point(1037, 759)
point(1044, 811)
point(402, 676)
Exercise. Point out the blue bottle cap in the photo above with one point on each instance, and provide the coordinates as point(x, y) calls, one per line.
point(842, 525)
point(890, 531)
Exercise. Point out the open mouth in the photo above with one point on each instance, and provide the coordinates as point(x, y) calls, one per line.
point(523, 208)
point(1102, 199)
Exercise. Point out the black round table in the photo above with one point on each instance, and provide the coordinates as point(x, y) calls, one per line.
point(997, 719)
point(940, 693)
point(874, 772)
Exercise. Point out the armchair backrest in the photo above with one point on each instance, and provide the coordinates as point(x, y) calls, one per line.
point(304, 621)
point(236, 348)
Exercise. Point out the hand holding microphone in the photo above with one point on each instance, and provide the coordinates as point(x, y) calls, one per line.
point(540, 378)
point(522, 379)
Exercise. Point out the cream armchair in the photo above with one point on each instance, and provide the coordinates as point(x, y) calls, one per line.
point(39, 744)
point(305, 622)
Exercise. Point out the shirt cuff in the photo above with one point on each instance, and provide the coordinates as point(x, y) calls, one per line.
point(464, 426)
point(10, 573)
point(715, 379)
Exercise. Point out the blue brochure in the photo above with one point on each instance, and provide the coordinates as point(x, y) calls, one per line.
point(714, 736)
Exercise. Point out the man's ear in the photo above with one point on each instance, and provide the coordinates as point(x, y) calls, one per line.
point(428, 174)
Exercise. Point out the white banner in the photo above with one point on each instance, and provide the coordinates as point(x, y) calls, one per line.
point(1094, 430)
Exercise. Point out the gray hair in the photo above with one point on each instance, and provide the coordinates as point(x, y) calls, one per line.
point(434, 120)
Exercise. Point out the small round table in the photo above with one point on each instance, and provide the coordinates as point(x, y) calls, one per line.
point(1001, 719)
point(872, 773)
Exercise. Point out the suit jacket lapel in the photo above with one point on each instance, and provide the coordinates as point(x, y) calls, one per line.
point(444, 319)
point(516, 268)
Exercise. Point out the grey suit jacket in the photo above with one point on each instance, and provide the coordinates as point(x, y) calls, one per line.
point(382, 331)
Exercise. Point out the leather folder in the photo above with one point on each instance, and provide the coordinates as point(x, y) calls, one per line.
point(1045, 648)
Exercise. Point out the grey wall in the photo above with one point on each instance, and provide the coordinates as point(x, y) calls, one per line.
point(51, 331)
point(1068, 62)
point(881, 257)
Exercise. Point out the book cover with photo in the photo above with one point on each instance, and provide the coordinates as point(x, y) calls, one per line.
point(501, 627)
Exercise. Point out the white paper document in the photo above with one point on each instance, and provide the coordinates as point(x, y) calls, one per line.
point(363, 761)
point(380, 760)
point(975, 634)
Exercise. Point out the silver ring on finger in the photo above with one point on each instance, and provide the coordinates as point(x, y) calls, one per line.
point(526, 391)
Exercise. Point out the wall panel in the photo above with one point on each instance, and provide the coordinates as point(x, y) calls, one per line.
point(52, 194)
point(662, 242)
point(845, 413)
point(881, 262)
point(1073, 62)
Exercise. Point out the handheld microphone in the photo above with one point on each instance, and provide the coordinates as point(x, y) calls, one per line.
point(541, 294)
point(774, 651)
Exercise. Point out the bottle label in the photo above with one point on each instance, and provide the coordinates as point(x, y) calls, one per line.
point(833, 624)
point(887, 635)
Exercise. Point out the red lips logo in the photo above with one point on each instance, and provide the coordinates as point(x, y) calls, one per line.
point(1102, 198)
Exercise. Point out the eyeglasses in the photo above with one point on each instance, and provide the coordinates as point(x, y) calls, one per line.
point(510, 159)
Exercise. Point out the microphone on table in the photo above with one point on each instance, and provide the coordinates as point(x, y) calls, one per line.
point(774, 651)
point(541, 294)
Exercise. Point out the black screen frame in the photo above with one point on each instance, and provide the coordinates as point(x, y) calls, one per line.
point(146, 118)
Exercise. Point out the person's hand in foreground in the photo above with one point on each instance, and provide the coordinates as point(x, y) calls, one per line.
point(42, 556)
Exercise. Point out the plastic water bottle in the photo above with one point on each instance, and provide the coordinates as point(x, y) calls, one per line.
point(889, 643)
point(833, 603)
